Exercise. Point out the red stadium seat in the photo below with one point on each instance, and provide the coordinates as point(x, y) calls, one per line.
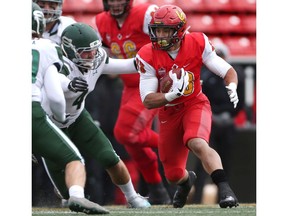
point(157, 2)
point(88, 19)
point(215, 39)
point(249, 23)
point(228, 24)
point(241, 46)
point(81, 6)
point(218, 5)
point(201, 23)
point(191, 5)
point(244, 5)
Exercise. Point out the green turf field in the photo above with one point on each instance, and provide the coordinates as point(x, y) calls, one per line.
point(191, 210)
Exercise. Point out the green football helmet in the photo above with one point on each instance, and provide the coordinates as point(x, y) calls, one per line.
point(38, 20)
point(55, 10)
point(78, 38)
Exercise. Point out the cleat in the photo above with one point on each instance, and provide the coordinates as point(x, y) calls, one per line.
point(226, 196)
point(83, 205)
point(138, 202)
point(228, 201)
point(158, 194)
point(181, 194)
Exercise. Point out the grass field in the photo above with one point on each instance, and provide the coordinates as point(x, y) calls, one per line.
point(191, 210)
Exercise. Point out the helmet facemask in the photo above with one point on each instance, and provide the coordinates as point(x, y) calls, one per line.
point(74, 54)
point(163, 43)
point(54, 11)
point(118, 9)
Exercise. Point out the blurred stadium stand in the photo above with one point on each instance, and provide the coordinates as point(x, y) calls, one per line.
point(232, 20)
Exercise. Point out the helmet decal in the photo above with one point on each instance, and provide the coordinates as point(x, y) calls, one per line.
point(181, 15)
point(38, 20)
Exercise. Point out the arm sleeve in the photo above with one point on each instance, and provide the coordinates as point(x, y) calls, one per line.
point(120, 66)
point(64, 82)
point(148, 84)
point(217, 65)
point(213, 62)
point(54, 93)
point(148, 80)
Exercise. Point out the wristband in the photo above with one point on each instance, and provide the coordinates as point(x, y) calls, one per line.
point(232, 85)
point(170, 96)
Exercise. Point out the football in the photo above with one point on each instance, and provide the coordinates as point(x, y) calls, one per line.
point(166, 82)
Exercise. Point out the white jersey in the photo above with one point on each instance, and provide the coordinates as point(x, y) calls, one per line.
point(75, 102)
point(55, 33)
point(44, 54)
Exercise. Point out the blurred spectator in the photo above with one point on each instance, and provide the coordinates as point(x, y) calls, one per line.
point(223, 129)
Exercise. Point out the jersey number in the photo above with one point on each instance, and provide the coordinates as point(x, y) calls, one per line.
point(190, 88)
point(129, 49)
point(79, 100)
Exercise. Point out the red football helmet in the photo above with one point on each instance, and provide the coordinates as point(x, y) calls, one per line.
point(167, 16)
point(117, 8)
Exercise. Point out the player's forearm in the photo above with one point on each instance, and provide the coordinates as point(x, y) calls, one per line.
point(155, 100)
point(58, 110)
point(64, 82)
point(120, 66)
point(231, 76)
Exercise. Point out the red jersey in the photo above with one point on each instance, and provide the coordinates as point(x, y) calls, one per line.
point(125, 41)
point(190, 57)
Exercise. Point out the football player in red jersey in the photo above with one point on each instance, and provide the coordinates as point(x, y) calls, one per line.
point(185, 112)
point(123, 29)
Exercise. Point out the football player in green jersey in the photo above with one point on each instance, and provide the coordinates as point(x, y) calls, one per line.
point(47, 140)
point(55, 22)
point(84, 61)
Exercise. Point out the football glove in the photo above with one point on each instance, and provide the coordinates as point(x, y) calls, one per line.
point(178, 86)
point(78, 84)
point(231, 90)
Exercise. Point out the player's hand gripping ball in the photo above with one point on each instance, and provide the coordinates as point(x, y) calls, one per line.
point(166, 81)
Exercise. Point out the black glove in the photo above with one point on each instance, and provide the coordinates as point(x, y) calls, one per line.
point(78, 84)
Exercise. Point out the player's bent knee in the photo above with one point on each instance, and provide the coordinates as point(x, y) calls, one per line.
point(174, 175)
point(108, 158)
